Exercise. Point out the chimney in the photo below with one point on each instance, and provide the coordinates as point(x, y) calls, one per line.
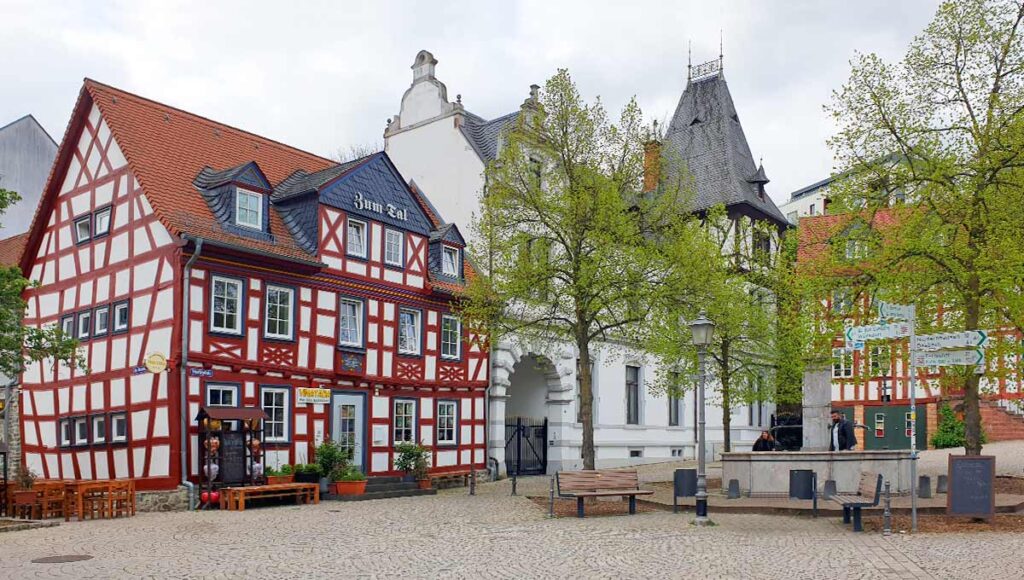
point(423, 66)
point(652, 164)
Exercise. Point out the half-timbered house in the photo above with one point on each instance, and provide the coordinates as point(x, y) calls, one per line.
point(264, 276)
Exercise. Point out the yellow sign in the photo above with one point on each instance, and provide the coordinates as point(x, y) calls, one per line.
point(156, 362)
point(313, 396)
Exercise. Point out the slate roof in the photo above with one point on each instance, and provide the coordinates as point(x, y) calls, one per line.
point(706, 136)
point(11, 249)
point(484, 135)
point(167, 148)
point(302, 182)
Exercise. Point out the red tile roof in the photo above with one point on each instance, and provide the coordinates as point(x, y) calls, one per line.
point(816, 231)
point(167, 147)
point(11, 249)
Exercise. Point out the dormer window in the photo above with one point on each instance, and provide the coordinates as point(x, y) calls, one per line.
point(356, 238)
point(248, 209)
point(450, 261)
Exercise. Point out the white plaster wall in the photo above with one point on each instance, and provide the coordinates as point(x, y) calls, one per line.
point(802, 205)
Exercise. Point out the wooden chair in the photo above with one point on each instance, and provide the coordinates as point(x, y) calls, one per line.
point(95, 500)
point(121, 499)
point(51, 499)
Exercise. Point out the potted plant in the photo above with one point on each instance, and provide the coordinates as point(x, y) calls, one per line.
point(329, 456)
point(308, 473)
point(412, 459)
point(283, 474)
point(348, 480)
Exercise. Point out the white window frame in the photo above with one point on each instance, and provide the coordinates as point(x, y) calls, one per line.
point(454, 416)
point(418, 328)
point(84, 332)
point(239, 310)
point(401, 248)
point(222, 387)
point(246, 194)
point(639, 395)
point(290, 322)
point(85, 220)
point(114, 318)
point(411, 416)
point(363, 238)
point(842, 355)
point(458, 337)
point(96, 330)
point(445, 252)
point(358, 342)
point(75, 431)
point(67, 325)
point(116, 418)
point(99, 434)
point(105, 212)
point(64, 432)
point(285, 411)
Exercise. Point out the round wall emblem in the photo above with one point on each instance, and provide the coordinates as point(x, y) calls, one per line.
point(156, 362)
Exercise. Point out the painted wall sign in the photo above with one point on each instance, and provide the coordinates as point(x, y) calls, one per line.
point(156, 362)
point(198, 372)
point(390, 210)
point(313, 396)
point(139, 370)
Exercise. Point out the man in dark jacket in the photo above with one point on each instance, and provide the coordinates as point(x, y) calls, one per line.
point(841, 435)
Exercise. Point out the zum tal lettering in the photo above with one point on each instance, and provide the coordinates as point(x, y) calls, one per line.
point(362, 203)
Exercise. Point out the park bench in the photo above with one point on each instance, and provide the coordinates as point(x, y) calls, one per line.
point(234, 497)
point(869, 485)
point(600, 483)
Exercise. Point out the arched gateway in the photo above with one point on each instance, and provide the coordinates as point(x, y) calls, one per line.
point(530, 407)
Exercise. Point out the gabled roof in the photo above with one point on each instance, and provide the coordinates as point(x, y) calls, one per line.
point(484, 135)
point(30, 118)
point(166, 149)
point(248, 173)
point(817, 232)
point(706, 136)
point(11, 249)
point(448, 233)
point(302, 182)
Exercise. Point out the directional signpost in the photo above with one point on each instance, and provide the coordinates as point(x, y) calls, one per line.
point(944, 358)
point(877, 331)
point(968, 339)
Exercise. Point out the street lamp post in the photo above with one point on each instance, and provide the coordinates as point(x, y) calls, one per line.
point(702, 330)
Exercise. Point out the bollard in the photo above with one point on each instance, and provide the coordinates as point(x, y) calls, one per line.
point(734, 489)
point(514, 482)
point(551, 507)
point(830, 489)
point(472, 482)
point(887, 514)
point(940, 485)
point(924, 487)
point(814, 498)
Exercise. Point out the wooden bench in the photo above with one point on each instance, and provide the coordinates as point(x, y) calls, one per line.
point(854, 503)
point(232, 498)
point(600, 483)
point(441, 480)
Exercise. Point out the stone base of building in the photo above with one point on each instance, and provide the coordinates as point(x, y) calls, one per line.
point(175, 500)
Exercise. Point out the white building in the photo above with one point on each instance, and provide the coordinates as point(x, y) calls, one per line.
point(807, 201)
point(443, 149)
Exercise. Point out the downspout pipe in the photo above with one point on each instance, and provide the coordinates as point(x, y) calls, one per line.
point(186, 292)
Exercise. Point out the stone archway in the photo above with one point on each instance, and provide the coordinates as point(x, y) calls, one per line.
point(530, 381)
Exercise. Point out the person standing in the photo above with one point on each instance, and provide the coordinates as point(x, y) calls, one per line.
point(842, 437)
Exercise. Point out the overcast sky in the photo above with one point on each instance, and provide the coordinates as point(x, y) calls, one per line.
point(326, 75)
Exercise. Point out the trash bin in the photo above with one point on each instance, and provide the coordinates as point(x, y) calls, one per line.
point(685, 482)
point(801, 484)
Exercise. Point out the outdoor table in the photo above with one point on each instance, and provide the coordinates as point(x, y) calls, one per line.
point(78, 493)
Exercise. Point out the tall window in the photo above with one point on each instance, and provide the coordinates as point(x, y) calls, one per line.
point(393, 248)
point(101, 222)
point(447, 417)
point(632, 395)
point(227, 300)
point(673, 401)
point(356, 238)
point(842, 363)
point(408, 331)
point(275, 404)
point(248, 209)
point(350, 331)
point(279, 313)
point(221, 395)
point(450, 334)
point(404, 421)
point(450, 261)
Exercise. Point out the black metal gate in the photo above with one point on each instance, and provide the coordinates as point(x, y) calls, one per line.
point(526, 447)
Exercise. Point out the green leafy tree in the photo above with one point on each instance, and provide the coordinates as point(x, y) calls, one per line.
point(941, 134)
point(20, 344)
point(571, 247)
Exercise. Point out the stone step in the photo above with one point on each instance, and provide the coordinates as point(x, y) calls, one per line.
point(380, 495)
point(399, 486)
point(384, 479)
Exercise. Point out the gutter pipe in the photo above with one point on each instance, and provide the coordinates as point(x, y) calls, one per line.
point(183, 363)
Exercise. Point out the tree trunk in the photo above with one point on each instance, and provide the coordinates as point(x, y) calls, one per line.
point(586, 402)
point(726, 402)
point(972, 409)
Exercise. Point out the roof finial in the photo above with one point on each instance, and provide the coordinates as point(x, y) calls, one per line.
point(689, 59)
point(721, 52)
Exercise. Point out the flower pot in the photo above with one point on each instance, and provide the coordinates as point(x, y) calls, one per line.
point(348, 487)
point(424, 483)
point(275, 479)
point(25, 497)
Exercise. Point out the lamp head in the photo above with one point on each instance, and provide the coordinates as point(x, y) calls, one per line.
point(702, 329)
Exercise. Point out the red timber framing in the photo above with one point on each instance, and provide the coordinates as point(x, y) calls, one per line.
point(120, 281)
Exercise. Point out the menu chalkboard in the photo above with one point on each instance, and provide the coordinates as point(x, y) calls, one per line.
point(971, 492)
point(232, 457)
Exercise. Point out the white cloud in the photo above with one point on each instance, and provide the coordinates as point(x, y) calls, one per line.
point(324, 75)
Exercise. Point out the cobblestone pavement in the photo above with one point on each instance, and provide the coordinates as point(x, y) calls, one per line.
point(493, 535)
